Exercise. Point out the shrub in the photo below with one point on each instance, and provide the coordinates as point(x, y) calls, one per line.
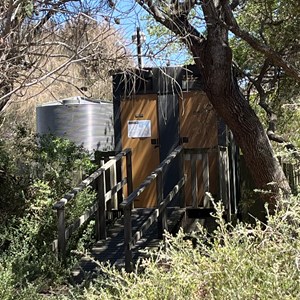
point(241, 262)
point(246, 261)
point(34, 173)
point(26, 159)
point(9, 290)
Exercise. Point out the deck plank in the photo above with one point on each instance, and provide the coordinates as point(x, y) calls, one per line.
point(111, 250)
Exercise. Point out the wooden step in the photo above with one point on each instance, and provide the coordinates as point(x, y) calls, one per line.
point(111, 250)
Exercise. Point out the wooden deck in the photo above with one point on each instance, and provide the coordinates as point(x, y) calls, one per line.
point(120, 243)
point(111, 250)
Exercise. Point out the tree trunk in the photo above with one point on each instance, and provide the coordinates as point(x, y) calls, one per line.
point(215, 63)
point(213, 57)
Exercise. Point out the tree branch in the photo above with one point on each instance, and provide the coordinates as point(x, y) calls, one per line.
point(232, 25)
point(272, 117)
point(178, 24)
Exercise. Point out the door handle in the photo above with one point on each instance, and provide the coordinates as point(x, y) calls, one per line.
point(183, 140)
point(155, 142)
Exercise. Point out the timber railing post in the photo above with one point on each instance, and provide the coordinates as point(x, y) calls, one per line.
point(61, 228)
point(127, 216)
point(162, 218)
point(182, 201)
point(291, 177)
point(128, 238)
point(100, 214)
point(129, 172)
point(113, 182)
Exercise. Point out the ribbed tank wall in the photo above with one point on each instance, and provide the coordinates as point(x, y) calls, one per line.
point(84, 122)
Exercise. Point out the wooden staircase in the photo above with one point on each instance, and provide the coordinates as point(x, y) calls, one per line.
point(121, 243)
point(112, 250)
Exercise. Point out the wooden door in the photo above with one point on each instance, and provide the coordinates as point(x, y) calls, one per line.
point(198, 123)
point(145, 155)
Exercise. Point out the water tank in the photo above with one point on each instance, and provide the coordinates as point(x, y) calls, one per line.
point(85, 122)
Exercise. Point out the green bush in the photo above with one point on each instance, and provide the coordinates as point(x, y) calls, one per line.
point(241, 262)
point(261, 261)
point(26, 159)
point(258, 261)
point(9, 290)
point(34, 174)
point(59, 160)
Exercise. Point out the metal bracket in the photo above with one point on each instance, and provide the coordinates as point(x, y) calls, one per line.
point(183, 140)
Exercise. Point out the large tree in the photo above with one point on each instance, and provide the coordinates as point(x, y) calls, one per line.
point(24, 25)
point(213, 56)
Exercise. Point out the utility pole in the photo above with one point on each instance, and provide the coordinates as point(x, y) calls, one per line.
point(139, 38)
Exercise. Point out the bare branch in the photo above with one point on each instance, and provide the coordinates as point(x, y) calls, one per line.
point(46, 40)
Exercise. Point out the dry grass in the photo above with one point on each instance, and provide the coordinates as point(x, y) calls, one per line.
point(88, 76)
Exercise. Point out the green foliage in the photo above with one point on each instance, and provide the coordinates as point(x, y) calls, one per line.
point(9, 290)
point(59, 159)
point(78, 205)
point(241, 262)
point(28, 7)
point(166, 44)
point(25, 240)
point(27, 161)
point(35, 172)
point(276, 24)
point(86, 238)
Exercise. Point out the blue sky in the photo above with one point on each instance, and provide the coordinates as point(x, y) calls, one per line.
point(131, 16)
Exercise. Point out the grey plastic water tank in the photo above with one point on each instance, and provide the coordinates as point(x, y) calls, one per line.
point(85, 122)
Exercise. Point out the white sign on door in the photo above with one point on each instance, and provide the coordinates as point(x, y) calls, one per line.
point(139, 128)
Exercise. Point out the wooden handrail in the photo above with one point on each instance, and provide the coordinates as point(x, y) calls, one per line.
point(171, 195)
point(98, 207)
point(160, 213)
point(130, 199)
point(155, 214)
point(89, 180)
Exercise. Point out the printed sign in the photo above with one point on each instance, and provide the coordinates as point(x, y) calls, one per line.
point(139, 128)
